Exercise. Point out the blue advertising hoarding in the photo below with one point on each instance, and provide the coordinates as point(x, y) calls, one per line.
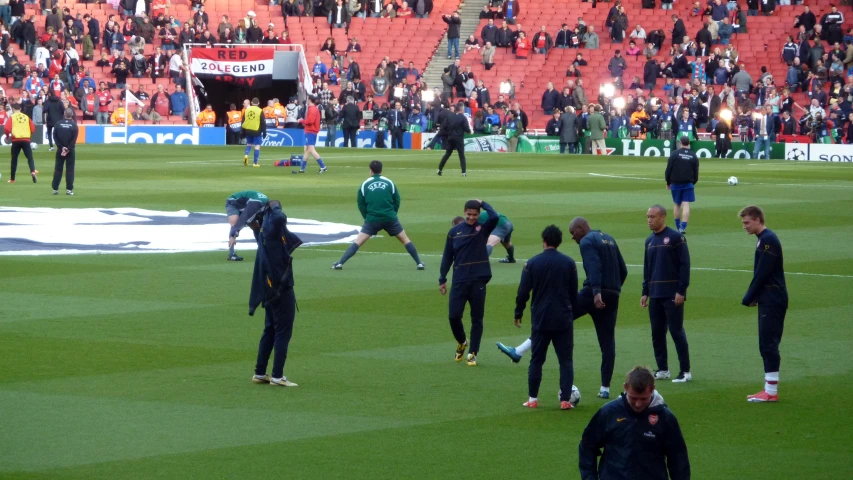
point(155, 134)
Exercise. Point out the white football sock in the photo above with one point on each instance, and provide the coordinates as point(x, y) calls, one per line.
point(771, 382)
point(605, 389)
point(532, 399)
point(525, 346)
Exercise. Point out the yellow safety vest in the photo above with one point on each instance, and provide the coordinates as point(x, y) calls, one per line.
point(253, 118)
point(20, 126)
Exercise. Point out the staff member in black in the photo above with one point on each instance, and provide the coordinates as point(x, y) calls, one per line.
point(65, 133)
point(553, 277)
point(397, 125)
point(350, 121)
point(465, 249)
point(605, 274)
point(457, 126)
point(666, 276)
point(441, 124)
point(769, 291)
point(639, 434)
point(272, 287)
point(53, 113)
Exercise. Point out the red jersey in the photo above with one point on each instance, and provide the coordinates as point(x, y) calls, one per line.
point(312, 120)
point(104, 100)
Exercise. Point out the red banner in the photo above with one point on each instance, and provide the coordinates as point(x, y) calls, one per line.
point(247, 67)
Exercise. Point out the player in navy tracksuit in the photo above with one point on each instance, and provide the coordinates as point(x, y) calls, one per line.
point(769, 292)
point(553, 277)
point(605, 274)
point(666, 276)
point(465, 249)
point(639, 434)
point(272, 287)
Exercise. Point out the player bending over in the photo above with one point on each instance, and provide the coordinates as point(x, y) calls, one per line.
point(242, 209)
point(502, 234)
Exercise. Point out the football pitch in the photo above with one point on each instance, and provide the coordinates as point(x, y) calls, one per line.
point(138, 366)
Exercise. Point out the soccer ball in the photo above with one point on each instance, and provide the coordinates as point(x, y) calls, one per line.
point(574, 398)
point(732, 181)
point(34, 145)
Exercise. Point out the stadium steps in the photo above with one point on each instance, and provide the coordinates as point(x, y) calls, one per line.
point(469, 13)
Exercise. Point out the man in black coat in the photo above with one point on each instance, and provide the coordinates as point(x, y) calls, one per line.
point(455, 127)
point(569, 131)
point(350, 121)
point(651, 70)
point(553, 278)
point(53, 113)
point(66, 140)
point(679, 31)
point(94, 28)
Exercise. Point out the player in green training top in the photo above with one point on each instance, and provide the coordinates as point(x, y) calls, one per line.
point(378, 202)
point(501, 234)
point(242, 208)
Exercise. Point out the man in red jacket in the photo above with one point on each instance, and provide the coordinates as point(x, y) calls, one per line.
point(312, 127)
point(19, 128)
point(105, 98)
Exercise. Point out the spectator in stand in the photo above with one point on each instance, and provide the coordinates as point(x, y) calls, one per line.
point(579, 94)
point(138, 65)
point(121, 70)
point(71, 33)
point(590, 39)
point(725, 31)
point(484, 98)
point(550, 99)
point(638, 33)
point(563, 38)
point(617, 66)
point(552, 128)
point(542, 41)
point(489, 33)
point(339, 16)
point(742, 81)
point(319, 69)
point(34, 84)
point(380, 83)
point(453, 25)
point(565, 99)
point(471, 43)
point(161, 102)
point(633, 50)
point(179, 102)
point(353, 46)
point(619, 25)
point(806, 20)
point(175, 66)
point(679, 31)
point(651, 71)
point(254, 34)
point(522, 46)
point(573, 71)
point(140, 115)
point(504, 36)
point(104, 99)
point(510, 10)
point(666, 4)
point(404, 10)
point(487, 13)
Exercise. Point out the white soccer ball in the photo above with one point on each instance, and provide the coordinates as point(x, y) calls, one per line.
point(34, 145)
point(732, 181)
point(574, 398)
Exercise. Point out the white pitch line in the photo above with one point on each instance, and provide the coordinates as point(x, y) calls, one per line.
point(703, 269)
point(821, 185)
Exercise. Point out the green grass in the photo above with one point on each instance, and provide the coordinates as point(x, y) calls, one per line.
point(138, 366)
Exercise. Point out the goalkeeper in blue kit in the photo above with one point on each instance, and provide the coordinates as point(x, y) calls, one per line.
point(378, 202)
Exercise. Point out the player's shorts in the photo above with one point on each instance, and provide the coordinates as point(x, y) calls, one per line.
point(254, 139)
point(231, 208)
point(372, 228)
point(683, 195)
point(504, 232)
point(310, 139)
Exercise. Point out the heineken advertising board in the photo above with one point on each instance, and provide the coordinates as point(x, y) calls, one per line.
point(615, 146)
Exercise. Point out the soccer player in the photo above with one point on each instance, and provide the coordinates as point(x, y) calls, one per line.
point(272, 287)
point(242, 209)
point(255, 129)
point(639, 435)
point(378, 202)
point(502, 234)
point(769, 292)
point(65, 133)
point(455, 126)
point(19, 128)
point(553, 277)
point(605, 274)
point(465, 249)
point(682, 174)
point(666, 276)
point(312, 127)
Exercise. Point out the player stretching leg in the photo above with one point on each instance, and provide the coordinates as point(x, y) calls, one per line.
point(769, 292)
point(242, 208)
point(312, 127)
point(502, 234)
point(378, 202)
point(255, 129)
